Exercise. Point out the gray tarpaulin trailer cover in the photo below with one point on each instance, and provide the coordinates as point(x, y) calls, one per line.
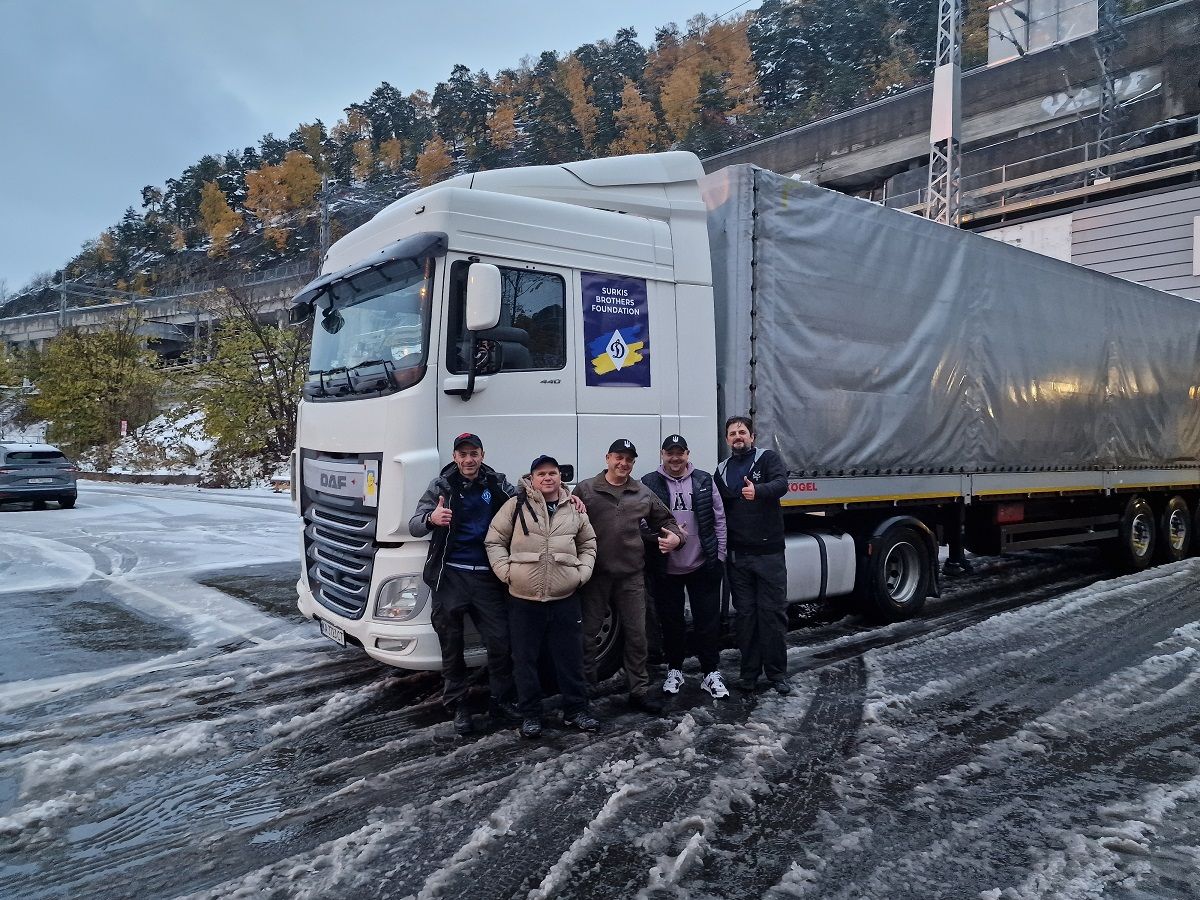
point(868, 339)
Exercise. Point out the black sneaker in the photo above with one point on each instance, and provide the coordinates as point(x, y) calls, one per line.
point(531, 728)
point(646, 704)
point(747, 685)
point(583, 721)
point(783, 687)
point(503, 711)
point(462, 719)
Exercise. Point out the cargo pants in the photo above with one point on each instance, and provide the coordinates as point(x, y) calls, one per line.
point(627, 596)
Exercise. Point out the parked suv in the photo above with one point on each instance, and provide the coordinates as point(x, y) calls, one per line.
point(36, 472)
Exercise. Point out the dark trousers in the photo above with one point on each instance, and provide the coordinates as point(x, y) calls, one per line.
point(555, 626)
point(759, 588)
point(627, 595)
point(484, 597)
point(704, 594)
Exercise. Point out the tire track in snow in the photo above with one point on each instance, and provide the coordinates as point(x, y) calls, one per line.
point(1036, 745)
point(753, 847)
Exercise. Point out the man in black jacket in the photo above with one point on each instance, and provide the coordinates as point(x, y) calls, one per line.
point(751, 482)
point(457, 508)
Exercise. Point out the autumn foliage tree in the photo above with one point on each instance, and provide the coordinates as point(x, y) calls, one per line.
point(636, 122)
point(434, 163)
point(276, 193)
point(219, 218)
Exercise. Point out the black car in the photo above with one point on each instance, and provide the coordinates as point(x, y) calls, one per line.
point(36, 472)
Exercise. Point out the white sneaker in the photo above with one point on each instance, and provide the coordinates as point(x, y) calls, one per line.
point(715, 685)
point(673, 682)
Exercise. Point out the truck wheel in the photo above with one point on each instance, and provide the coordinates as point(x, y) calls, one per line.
point(1137, 539)
point(611, 654)
point(895, 576)
point(66, 502)
point(1175, 530)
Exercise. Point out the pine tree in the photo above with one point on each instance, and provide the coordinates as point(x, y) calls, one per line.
point(182, 196)
point(271, 150)
point(607, 65)
point(462, 105)
point(314, 141)
point(553, 135)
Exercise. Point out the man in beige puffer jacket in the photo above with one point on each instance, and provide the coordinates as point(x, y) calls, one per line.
point(544, 550)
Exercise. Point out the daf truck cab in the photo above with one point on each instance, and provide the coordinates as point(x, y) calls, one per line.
point(548, 310)
point(925, 386)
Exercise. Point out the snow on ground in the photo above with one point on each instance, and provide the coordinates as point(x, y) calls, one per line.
point(1031, 742)
point(172, 443)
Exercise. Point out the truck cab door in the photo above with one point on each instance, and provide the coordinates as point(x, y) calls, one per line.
point(526, 407)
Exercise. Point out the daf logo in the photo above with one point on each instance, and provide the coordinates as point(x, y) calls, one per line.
point(333, 481)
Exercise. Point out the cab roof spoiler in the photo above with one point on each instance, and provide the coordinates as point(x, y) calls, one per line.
point(415, 246)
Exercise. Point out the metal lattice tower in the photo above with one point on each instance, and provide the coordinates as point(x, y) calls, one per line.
point(1110, 37)
point(944, 128)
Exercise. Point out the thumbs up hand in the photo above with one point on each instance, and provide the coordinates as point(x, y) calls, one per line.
point(442, 514)
point(748, 490)
point(667, 540)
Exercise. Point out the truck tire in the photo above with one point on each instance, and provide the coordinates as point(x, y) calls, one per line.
point(611, 654)
point(894, 577)
point(610, 657)
point(66, 502)
point(1175, 531)
point(1137, 536)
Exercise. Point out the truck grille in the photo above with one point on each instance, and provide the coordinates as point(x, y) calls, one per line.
point(339, 550)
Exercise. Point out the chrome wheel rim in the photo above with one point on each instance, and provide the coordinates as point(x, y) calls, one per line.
point(1140, 531)
point(1177, 529)
point(902, 573)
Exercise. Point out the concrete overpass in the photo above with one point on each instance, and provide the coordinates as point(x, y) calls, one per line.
point(1033, 107)
point(170, 322)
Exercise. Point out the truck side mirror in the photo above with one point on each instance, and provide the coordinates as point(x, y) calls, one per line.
point(299, 313)
point(483, 297)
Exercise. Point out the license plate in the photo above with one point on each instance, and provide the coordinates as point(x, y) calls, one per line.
point(335, 634)
point(40, 480)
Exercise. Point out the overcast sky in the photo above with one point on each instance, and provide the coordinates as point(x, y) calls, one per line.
point(101, 97)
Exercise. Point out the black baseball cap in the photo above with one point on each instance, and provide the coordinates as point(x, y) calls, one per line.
point(623, 445)
point(541, 461)
point(467, 438)
point(674, 440)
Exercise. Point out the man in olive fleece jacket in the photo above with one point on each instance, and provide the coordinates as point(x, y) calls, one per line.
point(617, 505)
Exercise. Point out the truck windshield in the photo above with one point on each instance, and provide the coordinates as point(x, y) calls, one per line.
point(371, 333)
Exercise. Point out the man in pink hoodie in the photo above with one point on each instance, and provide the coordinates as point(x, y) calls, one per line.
point(696, 567)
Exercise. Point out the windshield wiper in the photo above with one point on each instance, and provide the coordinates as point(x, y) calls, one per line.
point(372, 362)
point(317, 373)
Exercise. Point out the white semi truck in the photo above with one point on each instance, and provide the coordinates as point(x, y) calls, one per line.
point(925, 386)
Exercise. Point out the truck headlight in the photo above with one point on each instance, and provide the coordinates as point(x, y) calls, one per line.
point(400, 598)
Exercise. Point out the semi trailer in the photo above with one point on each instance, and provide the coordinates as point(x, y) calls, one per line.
point(926, 387)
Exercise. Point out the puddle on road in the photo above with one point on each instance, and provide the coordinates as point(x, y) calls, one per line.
point(52, 633)
point(270, 588)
